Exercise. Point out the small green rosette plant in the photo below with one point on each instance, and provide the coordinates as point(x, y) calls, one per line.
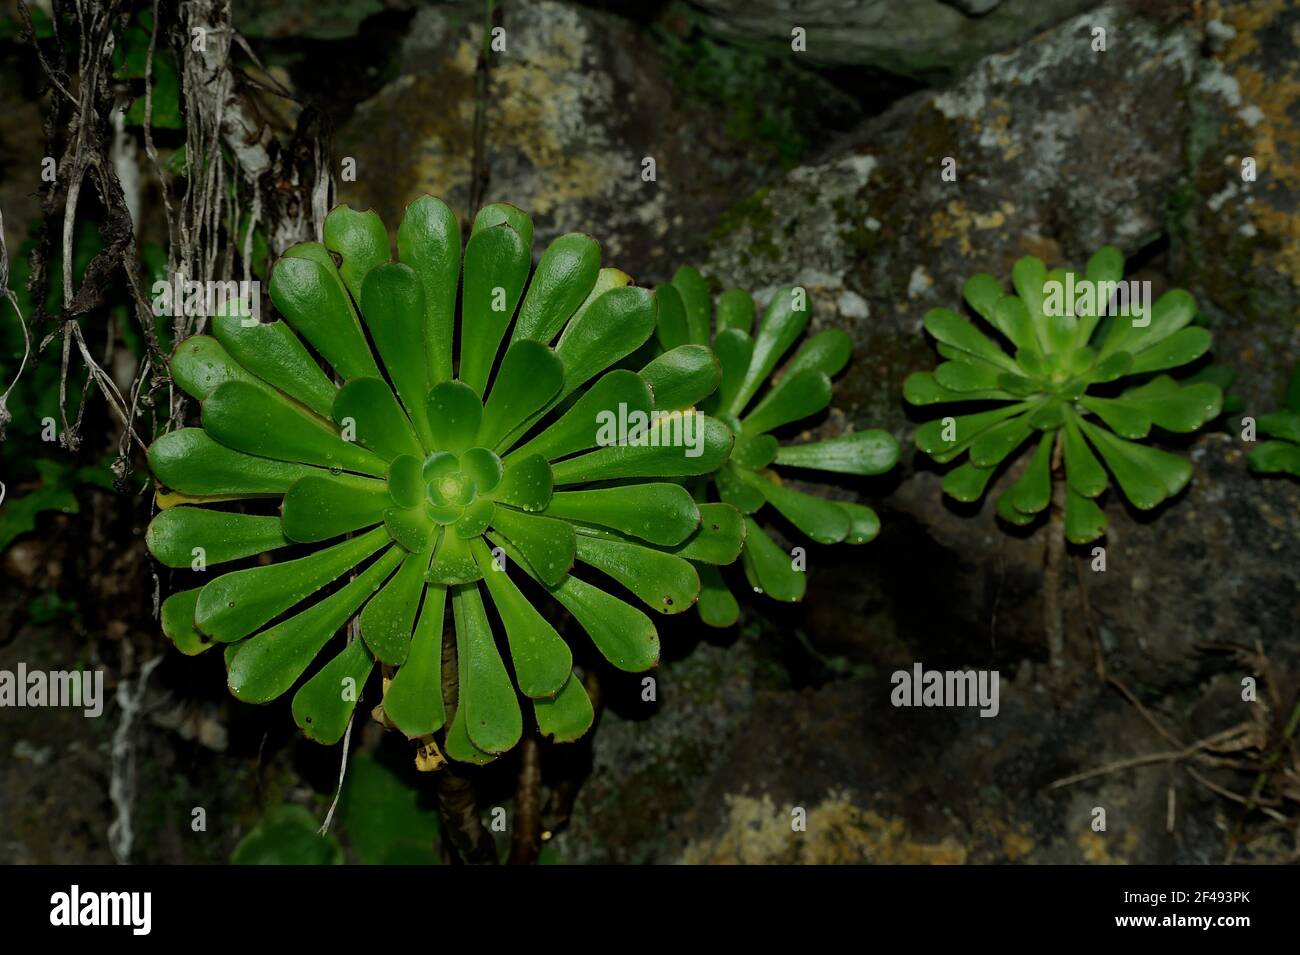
point(1282, 454)
point(1082, 387)
point(757, 406)
point(430, 451)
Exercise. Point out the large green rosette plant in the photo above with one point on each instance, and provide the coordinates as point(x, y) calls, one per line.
point(458, 457)
point(756, 406)
point(1055, 377)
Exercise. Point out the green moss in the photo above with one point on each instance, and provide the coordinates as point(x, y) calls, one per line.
point(753, 213)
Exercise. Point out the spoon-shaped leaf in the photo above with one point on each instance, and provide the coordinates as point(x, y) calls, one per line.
point(191, 462)
point(177, 618)
point(694, 291)
point(863, 452)
point(782, 325)
point(541, 658)
point(568, 716)
point(931, 436)
point(487, 700)
point(1275, 457)
point(200, 363)
point(616, 324)
point(1127, 418)
point(624, 635)
point(252, 419)
point(663, 514)
point(270, 662)
point(311, 297)
point(1032, 491)
point(682, 377)
point(671, 329)
point(412, 527)
point(717, 604)
point(822, 520)
point(361, 241)
point(666, 583)
point(526, 483)
point(864, 522)
point(734, 349)
point(272, 352)
point(1084, 520)
point(768, 567)
point(966, 482)
point(367, 410)
point(428, 240)
point(991, 447)
point(497, 261)
point(460, 747)
point(224, 536)
point(576, 429)
point(320, 506)
point(793, 398)
point(1179, 348)
point(546, 543)
point(323, 705)
point(392, 301)
point(529, 377)
point(1083, 471)
point(413, 700)
point(736, 310)
point(564, 277)
point(234, 605)
point(674, 446)
point(828, 351)
point(719, 537)
point(1146, 475)
point(388, 619)
point(455, 414)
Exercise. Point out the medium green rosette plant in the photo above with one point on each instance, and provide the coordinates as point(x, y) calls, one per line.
point(753, 403)
point(1281, 455)
point(459, 456)
point(1053, 376)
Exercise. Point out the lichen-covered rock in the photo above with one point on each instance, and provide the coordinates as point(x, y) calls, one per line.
point(1058, 149)
point(929, 39)
point(580, 100)
point(1235, 223)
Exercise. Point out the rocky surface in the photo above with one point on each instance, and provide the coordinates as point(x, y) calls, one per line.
point(580, 99)
point(929, 39)
point(1058, 149)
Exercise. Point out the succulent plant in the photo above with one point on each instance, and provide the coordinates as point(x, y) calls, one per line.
point(753, 403)
point(1281, 455)
point(1062, 385)
point(444, 465)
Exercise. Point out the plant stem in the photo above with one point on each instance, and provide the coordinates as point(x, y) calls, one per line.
point(457, 801)
point(527, 841)
point(1054, 567)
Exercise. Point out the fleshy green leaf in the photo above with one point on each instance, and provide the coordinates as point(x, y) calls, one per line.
point(487, 701)
point(1083, 472)
point(671, 328)
point(719, 537)
point(717, 604)
point(663, 514)
point(793, 398)
point(455, 415)
point(530, 376)
point(272, 352)
point(272, 661)
point(413, 700)
point(1146, 475)
point(666, 583)
point(234, 605)
point(224, 536)
point(1032, 491)
point(497, 261)
point(310, 295)
point(769, 568)
point(249, 419)
point(1084, 520)
point(526, 483)
point(323, 705)
point(191, 462)
point(675, 445)
point(577, 428)
point(568, 716)
point(822, 520)
point(392, 303)
point(694, 291)
point(564, 277)
point(682, 377)
point(736, 310)
point(781, 327)
point(541, 658)
point(320, 506)
point(178, 623)
point(546, 543)
point(389, 618)
point(376, 420)
point(615, 325)
point(863, 452)
point(428, 240)
point(361, 241)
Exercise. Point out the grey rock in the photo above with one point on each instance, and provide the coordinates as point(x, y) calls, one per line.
point(927, 39)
